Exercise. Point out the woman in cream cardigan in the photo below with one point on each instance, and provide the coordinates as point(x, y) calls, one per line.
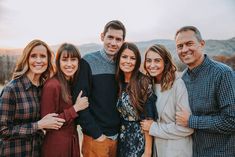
point(171, 140)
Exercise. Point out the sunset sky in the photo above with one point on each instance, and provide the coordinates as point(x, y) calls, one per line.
point(82, 21)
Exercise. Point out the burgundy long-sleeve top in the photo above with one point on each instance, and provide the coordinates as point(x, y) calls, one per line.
point(63, 142)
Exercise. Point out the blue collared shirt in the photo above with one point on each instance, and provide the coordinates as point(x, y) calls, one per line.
point(211, 90)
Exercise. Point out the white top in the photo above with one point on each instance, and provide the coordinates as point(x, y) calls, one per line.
point(171, 140)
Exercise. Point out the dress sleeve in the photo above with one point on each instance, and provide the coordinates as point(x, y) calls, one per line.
point(150, 107)
point(50, 102)
point(150, 110)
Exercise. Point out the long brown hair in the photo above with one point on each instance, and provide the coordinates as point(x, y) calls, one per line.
point(168, 76)
point(137, 88)
point(22, 65)
point(70, 51)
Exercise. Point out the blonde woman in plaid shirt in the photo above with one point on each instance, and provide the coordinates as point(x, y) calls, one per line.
point(20, 123)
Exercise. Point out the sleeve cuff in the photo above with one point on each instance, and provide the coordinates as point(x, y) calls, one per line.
point(73, 113)
point(35, 126)
point(193, 121)
point(70, 114)
point(153, 129)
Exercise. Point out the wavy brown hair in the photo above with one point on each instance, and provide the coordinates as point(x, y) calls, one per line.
point(68, 50)
point(22, 65)
point(137, 88)
point(168, 76)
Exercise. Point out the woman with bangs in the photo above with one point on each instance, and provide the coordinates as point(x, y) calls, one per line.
point(171, 140)
point(56, 98)
point(136, 102)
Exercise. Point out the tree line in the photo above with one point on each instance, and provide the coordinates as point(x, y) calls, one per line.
point(7, 66)
point(8, 62)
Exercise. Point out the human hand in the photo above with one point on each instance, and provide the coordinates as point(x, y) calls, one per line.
point(81, 102)
point(182, 116)
point(146, 124)
point(50, 121)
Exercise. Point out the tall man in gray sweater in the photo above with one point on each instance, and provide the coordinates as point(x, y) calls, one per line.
point(100, 122)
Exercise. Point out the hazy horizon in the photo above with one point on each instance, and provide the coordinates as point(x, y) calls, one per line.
point(81, 22)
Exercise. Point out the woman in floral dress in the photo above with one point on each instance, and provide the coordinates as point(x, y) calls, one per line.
point(136, 102)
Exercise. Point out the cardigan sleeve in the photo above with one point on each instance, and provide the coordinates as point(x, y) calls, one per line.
point(50, 102)
point(172, 130)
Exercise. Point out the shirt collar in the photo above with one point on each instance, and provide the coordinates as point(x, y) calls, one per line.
point(105, 56)
point(195, 71)
point(27, 83)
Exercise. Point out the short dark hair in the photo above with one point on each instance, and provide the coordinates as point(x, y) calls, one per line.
point(191, 28)
point(115, 24)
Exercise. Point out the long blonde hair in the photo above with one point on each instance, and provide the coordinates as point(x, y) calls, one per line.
point(22, 65)
point(168, 76)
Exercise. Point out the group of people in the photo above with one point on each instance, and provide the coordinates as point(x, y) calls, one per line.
point(122, 111)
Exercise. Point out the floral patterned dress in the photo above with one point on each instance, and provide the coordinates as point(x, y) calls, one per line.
point(131, 139)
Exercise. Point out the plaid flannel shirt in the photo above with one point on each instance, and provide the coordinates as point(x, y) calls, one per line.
point(19, 112)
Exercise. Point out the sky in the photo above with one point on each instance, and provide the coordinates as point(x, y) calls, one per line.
point(82, 21)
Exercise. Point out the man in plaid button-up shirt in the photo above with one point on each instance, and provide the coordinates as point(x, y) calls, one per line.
point(211, 89)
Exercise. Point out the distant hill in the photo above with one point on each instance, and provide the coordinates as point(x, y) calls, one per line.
point(213, 47)
point(220, 50)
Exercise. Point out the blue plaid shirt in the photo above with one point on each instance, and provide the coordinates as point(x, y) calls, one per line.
point(211, 90)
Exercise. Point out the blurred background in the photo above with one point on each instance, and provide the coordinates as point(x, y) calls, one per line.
point(81, 22)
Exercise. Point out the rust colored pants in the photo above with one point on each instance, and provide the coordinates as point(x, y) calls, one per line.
point(92, 148)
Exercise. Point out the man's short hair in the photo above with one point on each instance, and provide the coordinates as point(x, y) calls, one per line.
point(191, 28)
point(115, 24)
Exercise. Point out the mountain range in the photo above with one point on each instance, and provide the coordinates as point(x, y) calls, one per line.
point(220, 50)
point(213, 47)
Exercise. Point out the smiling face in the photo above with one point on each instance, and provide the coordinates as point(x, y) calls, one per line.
point(38, 60)
point(68, 65)
point(112, 41)
point(127, 61)
point(189, 49)
point(154, 64)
